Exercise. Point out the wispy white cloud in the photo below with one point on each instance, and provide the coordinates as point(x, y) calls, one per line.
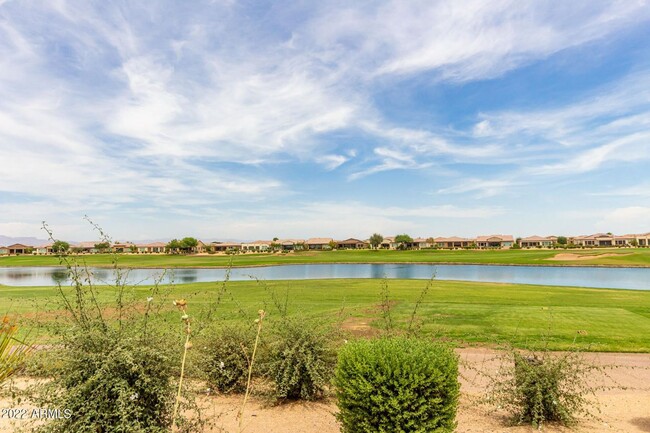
point(465, 40)
point(482, 188)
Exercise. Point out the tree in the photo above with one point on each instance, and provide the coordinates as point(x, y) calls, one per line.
point(60, 247)
point(375, 240)
point(102, 246)
point(561, 240)
point(402, 240)
point(173, 246)
point(188, 244)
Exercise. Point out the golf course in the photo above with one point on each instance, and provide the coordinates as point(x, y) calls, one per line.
point(464, 312)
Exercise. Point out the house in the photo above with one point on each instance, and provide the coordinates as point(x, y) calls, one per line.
point(201, 247)
point(495, 241)
point(225, 246)
point(538, 242)
point(20, 249)
point(124, 247)
point(419, 243)
point(291, 244)
point(258, 246)
point(87, 247)
point(389, 243)
point(4, 250)
point(453, 242)
point(643, 240)
point(43, 249)
point(318, 243)
point(154, 247)
point(351, 244)
point(595, 240)
point(624, 240)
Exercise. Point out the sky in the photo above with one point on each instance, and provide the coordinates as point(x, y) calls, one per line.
point(293, 119)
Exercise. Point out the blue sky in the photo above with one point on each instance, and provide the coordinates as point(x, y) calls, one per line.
point(255, 119)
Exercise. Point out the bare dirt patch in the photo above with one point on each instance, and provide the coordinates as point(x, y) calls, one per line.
point(569, 257)
point(359, 327)
point(623, 409)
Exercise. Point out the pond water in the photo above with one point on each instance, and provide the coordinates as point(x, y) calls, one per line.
point(616, 278)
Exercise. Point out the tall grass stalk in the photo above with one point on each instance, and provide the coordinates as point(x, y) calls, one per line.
point(181, 304)
point(240, 414)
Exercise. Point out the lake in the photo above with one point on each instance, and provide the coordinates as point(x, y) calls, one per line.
point(615, 278)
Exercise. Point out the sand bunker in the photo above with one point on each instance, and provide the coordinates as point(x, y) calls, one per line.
point(569, 257)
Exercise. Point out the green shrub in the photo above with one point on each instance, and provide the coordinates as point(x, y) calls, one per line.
point(300, 361)
point(112, 384)
point(397, 385)
point(225, 360)
point(539, 387)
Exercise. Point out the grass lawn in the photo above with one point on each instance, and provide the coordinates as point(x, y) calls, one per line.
point(466, 312)
point(603, 257)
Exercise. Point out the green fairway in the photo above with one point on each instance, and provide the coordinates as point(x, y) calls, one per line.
point(466, 312)
point(602, 257)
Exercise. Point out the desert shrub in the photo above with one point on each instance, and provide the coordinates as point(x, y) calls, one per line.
point(397, 385)
point(540, 387)
point(225, 358)
point(300, 360)
point(111, 383)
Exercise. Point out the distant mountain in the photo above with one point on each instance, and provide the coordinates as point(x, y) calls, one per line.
point(8, 240)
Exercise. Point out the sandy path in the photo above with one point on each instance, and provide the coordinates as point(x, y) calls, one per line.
point(623, 410)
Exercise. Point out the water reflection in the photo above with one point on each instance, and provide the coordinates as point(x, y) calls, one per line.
point(60, 276)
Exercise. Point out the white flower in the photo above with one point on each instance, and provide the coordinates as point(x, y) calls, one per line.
point(150, 299)
point(222, 365)
point(134, 396)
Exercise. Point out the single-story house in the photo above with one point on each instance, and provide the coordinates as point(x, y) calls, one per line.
point(318, 243)
point(643, 240)
point(538, 241)
point(87, 247)
point(257, 246)
point(624, 240)
point(225, 246)
point(124, 247)
point(291, 244)
point(201, 247)
point(19, 249)
point(595, 240)
point(154, 247)
point(351, 243)
point(419, 243)
point(495, 241)
point(4, 250)
point(453, 242)
point(43, 249)
point(389, 243)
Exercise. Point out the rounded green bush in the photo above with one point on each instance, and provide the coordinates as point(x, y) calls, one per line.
point(397, 385)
